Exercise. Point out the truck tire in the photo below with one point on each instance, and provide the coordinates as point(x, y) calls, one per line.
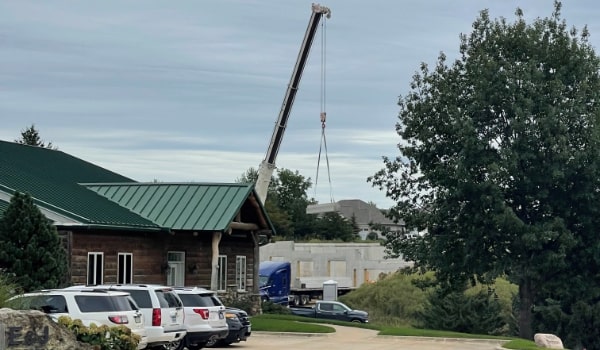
point(304, 299)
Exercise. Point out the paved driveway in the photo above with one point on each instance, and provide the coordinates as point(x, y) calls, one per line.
point(348, 338)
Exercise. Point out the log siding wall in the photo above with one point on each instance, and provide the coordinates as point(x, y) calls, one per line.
point(149, 250)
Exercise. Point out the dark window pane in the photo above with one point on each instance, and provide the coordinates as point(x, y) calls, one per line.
point(168, 299)
point(129, 264)
point(141, 297)
point(101, 303)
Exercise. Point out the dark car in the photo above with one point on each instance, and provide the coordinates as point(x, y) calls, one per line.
point(239, 327)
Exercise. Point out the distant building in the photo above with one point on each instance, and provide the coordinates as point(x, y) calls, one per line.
point(365, 214)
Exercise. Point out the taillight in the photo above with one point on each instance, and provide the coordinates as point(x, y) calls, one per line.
point(121, 319)
point(203, 312)
point(156, 317)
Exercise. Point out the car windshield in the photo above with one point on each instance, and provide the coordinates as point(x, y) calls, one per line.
point(206, 300)
point(102, 303)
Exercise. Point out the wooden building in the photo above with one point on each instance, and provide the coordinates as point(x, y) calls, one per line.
point(117, 230)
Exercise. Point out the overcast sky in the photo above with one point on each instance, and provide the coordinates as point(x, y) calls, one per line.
point(184, 91)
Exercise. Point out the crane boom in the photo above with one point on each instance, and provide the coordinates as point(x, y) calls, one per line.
point(267, 166)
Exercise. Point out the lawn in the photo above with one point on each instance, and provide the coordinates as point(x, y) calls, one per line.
point(288, 323)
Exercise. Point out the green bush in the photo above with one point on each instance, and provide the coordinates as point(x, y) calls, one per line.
point(272, 308)
point(399, 298)
point(392, 301)
point(8, 289)
point(478, 313)
point(102, 337)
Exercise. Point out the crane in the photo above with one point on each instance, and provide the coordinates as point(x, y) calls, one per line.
point(267, 166)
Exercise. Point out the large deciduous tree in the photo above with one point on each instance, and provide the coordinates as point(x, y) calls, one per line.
point(500, 161)
point(30, 247)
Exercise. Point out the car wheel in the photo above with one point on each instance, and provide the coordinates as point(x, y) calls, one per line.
point(176, 345)
point(212, 341)
point(356, 321)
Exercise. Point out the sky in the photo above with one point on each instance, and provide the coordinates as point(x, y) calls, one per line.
point(182, 91)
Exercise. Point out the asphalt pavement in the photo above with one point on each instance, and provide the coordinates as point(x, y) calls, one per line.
point(350, 338)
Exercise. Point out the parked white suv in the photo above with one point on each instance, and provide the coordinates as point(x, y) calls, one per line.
point(162, 310)
point(204, 317)
point(111, 308)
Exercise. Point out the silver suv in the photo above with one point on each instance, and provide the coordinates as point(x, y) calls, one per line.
point(110, 308)
point(204, 317)
point(162, 310)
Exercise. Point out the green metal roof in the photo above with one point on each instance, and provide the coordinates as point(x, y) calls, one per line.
point(53, 179)
point(89, 194)
point(181, 206)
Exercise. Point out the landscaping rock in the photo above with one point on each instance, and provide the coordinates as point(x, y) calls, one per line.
point(32, 329)
point(549, 341)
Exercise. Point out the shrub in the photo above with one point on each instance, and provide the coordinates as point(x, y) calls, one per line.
point(8, 289)
point(272, 308)
point(392, 300)
point(102, 337)
point(241, 301)
point(478, 313)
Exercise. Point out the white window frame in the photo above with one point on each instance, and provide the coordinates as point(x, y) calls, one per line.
point(123, 272)
point(222, 274)
point(97, 268)
point(176, 271)
point(240, 273)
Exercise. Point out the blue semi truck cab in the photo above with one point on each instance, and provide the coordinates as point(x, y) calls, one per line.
point(274, 281)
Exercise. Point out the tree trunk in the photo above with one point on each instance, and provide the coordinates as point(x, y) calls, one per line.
point(525, 308)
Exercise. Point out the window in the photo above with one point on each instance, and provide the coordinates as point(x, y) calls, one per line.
point(49, 304)
point(168, 299)
point(125, 268)
point(176, 271)
point(101, 303)
point(240, 272)
point(222, 276)
point(95, 268)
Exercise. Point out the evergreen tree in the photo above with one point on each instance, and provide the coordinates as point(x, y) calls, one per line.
point(30, 247)
point(31, 137)
point(355, 228)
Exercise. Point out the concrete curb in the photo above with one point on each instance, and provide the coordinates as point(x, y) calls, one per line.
point(441, 339)
point(292, 334)
point(435, 339)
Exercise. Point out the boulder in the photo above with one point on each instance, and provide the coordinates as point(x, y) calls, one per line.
point(550, 341)
point(32, 329)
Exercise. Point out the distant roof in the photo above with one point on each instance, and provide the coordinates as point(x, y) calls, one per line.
point(181, 206)
point(364, 212)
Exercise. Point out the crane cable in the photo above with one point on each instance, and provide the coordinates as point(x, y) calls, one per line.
point(323, 114)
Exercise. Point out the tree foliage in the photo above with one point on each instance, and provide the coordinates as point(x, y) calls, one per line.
point(500, 161)
point(286, 205)
point(30, 248)
point(30, 136)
